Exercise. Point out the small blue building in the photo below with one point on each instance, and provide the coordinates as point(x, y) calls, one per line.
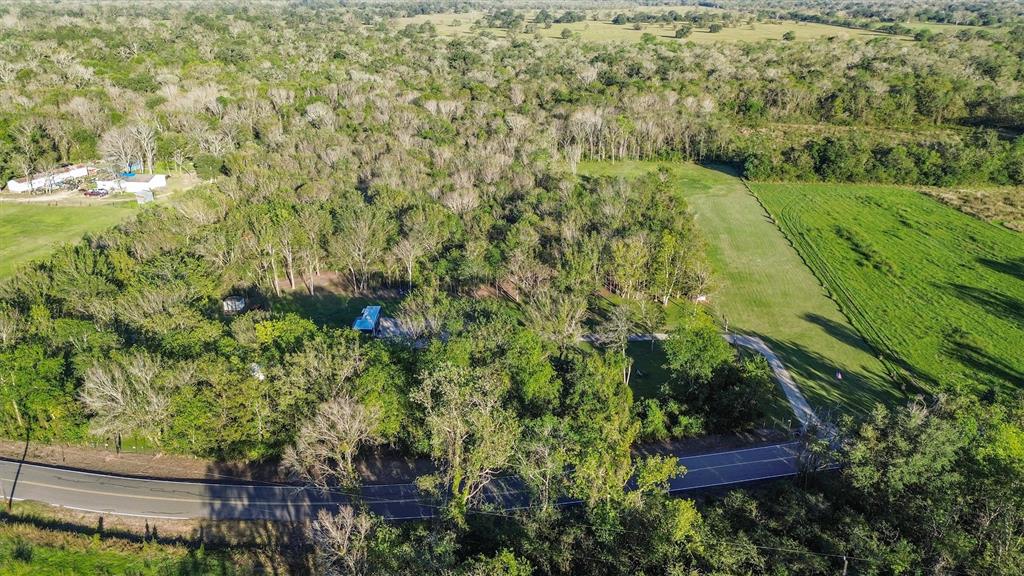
point(367, 321)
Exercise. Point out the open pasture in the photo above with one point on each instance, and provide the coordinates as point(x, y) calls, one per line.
point(602, 29)
point(941, 293)
point(31, 231)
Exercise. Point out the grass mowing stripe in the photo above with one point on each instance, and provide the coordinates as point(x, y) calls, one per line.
point(942, 292)
point(837, 291)
point(812, 256)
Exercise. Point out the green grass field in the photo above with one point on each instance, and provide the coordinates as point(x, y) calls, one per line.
point(27, 549)
point(939, 290)
point(649, 371)
point(31, 231)
point(764, 289)
point(603, 30)
point(40, 540)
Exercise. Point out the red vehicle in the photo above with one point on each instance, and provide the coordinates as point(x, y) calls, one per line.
point(97, 193)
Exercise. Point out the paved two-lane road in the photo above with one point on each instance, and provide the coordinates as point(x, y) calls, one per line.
point(153, 498)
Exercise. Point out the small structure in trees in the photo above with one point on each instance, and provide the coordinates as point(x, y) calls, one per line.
point(368, 321)
point(234, 305)
point(257, 372)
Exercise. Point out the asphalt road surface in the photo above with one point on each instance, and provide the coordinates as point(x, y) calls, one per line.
point(155, 498)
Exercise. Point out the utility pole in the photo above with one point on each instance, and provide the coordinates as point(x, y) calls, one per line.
point(24, 454)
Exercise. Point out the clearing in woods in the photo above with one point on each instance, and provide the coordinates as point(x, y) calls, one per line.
point(941, 292)
point(602, 30)
point(32, 227)
point(32, 231)
point(765, 290)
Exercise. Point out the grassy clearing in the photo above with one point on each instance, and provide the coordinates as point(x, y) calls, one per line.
point(602, 30)
point(36, 539)
point(764, 289)
point(332, 309)
point(28, 549)
point(31, 231)
point(649, 371)
point(942, 292)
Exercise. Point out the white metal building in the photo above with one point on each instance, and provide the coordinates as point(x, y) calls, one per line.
point(47, 180)
point(137, 183)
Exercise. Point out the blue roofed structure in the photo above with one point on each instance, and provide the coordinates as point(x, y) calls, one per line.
point(368, 320)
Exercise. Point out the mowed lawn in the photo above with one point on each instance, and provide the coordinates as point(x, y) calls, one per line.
point(764, 289)
point(31, 231)
point(941, 291)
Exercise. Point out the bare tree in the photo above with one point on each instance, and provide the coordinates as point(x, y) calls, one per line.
point(556, 316)
point(263, 241)
point(461, 200)
point(526, 274)
point(58, 131)
point(119, 147)
point(423, 235)
point(25, 135)
point(131, 394)
point(422, 313)
point(10, 325)
point(320, 115)
point(572, 153)
point(326, 446)
point(342, 541)
point(614, 333)
point(281, 98)
point(360, 243)
point(542, 461)
point(144, 135)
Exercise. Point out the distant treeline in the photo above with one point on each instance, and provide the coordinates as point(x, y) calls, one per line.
point(978, 158)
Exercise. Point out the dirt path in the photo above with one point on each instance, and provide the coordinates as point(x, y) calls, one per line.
point(801, 408)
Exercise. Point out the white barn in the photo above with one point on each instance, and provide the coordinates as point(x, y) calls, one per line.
point(135, 184)
point(47, 179)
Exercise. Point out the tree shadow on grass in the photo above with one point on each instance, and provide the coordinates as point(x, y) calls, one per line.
point(201, 557)
point(272, 547)
point(844, 333)
point(1012, 267)
point(995, 303)
point(729, 169)
point(329, 309)
point(841, 332)
point(993, 371)
point(856, 393)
